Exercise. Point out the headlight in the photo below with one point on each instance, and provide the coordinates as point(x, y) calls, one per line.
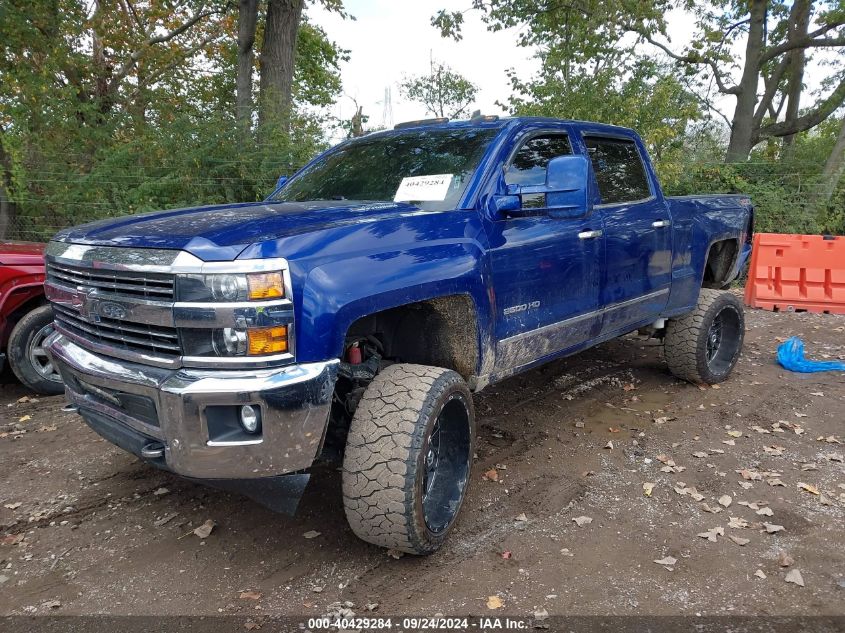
point(227, 342)
point(230, 288)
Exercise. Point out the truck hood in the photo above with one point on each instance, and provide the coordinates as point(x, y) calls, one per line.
point(221, 232)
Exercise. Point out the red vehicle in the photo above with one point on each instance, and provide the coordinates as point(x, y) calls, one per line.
point(26, 319)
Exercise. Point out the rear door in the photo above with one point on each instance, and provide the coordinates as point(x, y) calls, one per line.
point(638, 233)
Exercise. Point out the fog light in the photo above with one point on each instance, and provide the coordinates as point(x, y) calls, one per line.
point(250, 419)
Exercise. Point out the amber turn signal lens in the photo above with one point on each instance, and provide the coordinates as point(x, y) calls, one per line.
point(270, 340)
point(265, 286)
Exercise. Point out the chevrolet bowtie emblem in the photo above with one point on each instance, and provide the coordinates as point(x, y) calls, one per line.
point(85, 302)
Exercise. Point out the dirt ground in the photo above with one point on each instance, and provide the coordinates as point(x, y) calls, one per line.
point(567, 527)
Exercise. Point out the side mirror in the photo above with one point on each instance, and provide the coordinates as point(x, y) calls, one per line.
point(281, 182)
point(500, 206)
point(566, 186)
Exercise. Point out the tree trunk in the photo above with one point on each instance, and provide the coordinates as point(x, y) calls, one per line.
point(247, 19)
point(7, 207)
point(799, 24)
point(742, 125)
point(834, 167)
point(276, 65)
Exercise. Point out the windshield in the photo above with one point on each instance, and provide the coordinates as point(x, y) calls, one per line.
point(430, 168)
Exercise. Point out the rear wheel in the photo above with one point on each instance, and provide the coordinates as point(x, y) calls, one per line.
point(408, 457)
point(704, 345)
point(27, 356)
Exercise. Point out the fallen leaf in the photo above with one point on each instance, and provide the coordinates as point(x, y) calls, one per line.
point(739, 540)
point(494, 602)
point(759, 573)
point(725, 501)
point(317, 589)
point(809, 488)
point(712, 510)
point(774, 481)
point(629, 387)
point(784, 559)
point(11, 539)
point(251, 625)
point(609, 445)
point(582, 521)
point(809, 467)
point(13, 506)
point(794, 576)
point(55, 604)
point(648, 487)
point(312, 534)
point(737, 523)
point(395, 553)
point(161, 491)
point(745, 485)
point(521, 517)
point(565, 551)
point(700, 454)
point(771, 528)
point(668, 561)
point(766, 512)
point(751, 475)
point(491, 475)
point(205, 529)
point(540, 615)
point(760, 429)
point(735, 433)
point(249, 595)
point(777, 451)
point(825, 501)
point(729, 442)
point(24, 418)
point(712, 533)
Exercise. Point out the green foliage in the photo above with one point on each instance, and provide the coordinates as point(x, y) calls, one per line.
point(787, 193)
point(83, 142)
point(443, 92)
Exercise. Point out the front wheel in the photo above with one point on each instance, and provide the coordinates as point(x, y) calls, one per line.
point(704, 345)
point(408, 458)
point(27, 356)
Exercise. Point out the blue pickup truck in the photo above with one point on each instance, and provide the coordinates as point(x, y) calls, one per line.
point(351, 315)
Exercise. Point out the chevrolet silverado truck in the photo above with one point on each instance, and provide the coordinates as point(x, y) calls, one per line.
point(25, 318)
point(352, 314)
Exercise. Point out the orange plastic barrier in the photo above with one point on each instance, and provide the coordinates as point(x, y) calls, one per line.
point(797, 273)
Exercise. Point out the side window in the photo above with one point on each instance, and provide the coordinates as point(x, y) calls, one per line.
point(619, 170)
point(528, 165)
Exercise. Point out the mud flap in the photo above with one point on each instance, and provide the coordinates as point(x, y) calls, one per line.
point(280, 494)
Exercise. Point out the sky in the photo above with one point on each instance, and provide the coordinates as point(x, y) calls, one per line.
point(393, 39)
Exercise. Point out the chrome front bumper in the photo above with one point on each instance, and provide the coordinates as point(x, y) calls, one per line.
point(294, 403)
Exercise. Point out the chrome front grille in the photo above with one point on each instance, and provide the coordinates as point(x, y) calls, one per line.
point(133, 284)
point(159, 341)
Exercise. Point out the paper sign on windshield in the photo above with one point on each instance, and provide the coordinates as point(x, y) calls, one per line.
point(423, 188)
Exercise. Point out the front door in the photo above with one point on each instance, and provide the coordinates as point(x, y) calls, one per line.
point(546, 270)
point(638, 235)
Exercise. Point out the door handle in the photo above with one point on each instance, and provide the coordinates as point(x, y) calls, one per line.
point(589, 235)
point(659, 224)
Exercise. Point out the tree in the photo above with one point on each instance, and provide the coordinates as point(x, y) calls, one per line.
point(443, 92)
point(777, 39)
point(277, 64)
point(119, 106)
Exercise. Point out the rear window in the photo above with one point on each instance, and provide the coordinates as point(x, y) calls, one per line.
point(619, 170)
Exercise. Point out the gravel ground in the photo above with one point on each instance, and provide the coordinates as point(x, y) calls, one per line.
point(589, 470)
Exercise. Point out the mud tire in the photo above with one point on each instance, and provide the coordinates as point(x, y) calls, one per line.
point(390, 496)
point(688, 344)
